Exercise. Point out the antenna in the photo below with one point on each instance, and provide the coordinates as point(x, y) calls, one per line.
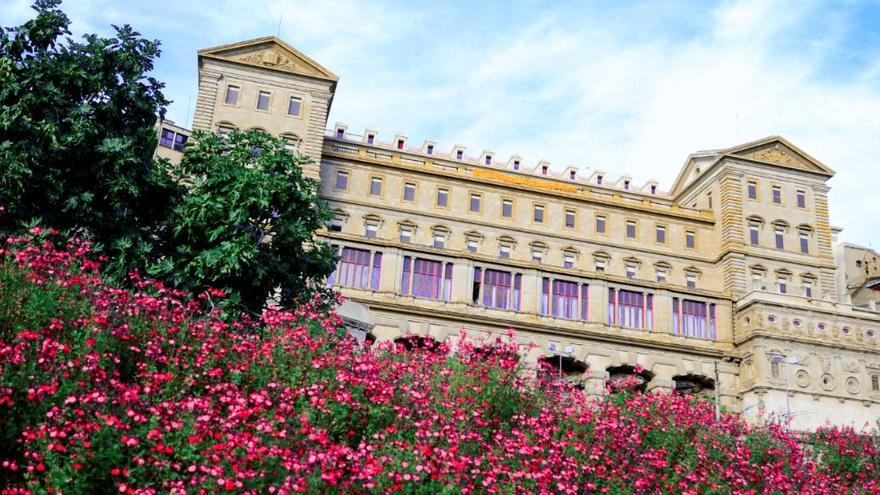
point(186, 122)
point(737, 128)
point(280, 17)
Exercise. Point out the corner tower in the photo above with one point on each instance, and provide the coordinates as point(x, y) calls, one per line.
point(265, 84)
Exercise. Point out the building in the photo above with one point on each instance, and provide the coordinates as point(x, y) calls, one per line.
point(729, 280)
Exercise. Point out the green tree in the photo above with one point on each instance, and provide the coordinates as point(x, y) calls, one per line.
point(77, 135)
point(246, 223)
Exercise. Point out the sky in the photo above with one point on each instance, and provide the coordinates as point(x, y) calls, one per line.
point(623, 87)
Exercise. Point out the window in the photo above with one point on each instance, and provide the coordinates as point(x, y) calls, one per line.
point(263, 101)
point(600, 224)
point(808, 288)
point(504, 250)
point(376, 186)
point(690, 239)
point(341, 180)
point(599, 180)
point(516, 164)
point(371, 138)
point(409, 191)
point(753, 190)
point(442, 197)
point(569, 219)
point(631, 229)
point(224, 130)
point(507, 208)
point(858, 263)
point(568, 259)
point(801, 199)
point(291, 143)
point(691, 281)
point(572, 175)
point(371, 227)
point(426, 278)
point(488, 159)
point(805, 242)
point(294, 106)
point(544, 169)
point(475, 203)
point(774, 368)
point(693, 318)
point(782, 282)
point(430, 149)
point(336, 224)
point(538, 254)
point(340, 133)
point(180, 141)
point(653, 189)
point(459, 155)
point(440, 236)
point(166, 139)
point(473, 244)
point(626, 185)
point(754, 234)
point(232, 95)
point(561, 298)
point(661, 274)
point(709, 199)
point(354, 270)
point(630, 309)
point(875, 383)
point(400, 143)
point(539, 214)
point(779, 233)
point(497, 288)
point(777, 195)
point(631, 271)
point(599, 264)
point(661, 234)
point(406, 233)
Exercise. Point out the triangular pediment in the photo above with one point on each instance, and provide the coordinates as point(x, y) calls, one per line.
point(777, 151)
point(269, 53)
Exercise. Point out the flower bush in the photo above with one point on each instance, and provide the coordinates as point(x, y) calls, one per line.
point(105, 390)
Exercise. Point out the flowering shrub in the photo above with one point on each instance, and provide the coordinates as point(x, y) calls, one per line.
point(104, 390)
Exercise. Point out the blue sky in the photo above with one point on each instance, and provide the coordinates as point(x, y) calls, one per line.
point(628, 88)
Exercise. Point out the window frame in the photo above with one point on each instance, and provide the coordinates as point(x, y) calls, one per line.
point(260, 93)
point(773, 190)
point(511, 202)
point(301, 106)
point(603, 220)
point(347, 175)
point(479, 198)
point(415, 191)
point(237, 103)
point(657, 231)
point(690, 239)
point(381, 180)
point(447, 194)
point(565, 216)
point(543, 209)
point(635, 229)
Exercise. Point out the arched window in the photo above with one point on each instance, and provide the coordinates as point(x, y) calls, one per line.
point(292, 142)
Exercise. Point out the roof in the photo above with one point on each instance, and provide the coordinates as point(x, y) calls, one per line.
point(269, 52)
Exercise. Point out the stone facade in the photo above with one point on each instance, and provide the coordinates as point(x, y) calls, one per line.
point(727, 281)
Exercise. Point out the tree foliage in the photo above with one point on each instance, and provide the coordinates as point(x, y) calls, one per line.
point(77, 133)
point(246, 223)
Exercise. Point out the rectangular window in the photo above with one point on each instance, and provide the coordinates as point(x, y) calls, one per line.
point(232, 95)
point(568, 260)
point(341, 180)
point(409, 191)
point(406, 235)
point(753, 235)
point(780, 239)
point(472, 245)
point(376, 186)
point(560, 298)
point(459, 155)
point(371, 229)
point(429, 279)
point(430, 149)
point(167, 138)
point(753, 190)
point(691, 281)
point(690, 239)
point(630, 271)
point(539, 214)
point(475, 203)
point(400, 143)
point(783, 285)
point(180, 142)
point(371, 139)
point(569, 219)
point(501, 289)
point(537, 255)
point(693, 318)
point(442, 197)
point(801, 199)
point(600, 224)
point(661, 275)
point(507, 208)
point(808, 288)
point(875, 383)
point(263, 100)
point(294, 106)
point(504, 251)
point(661, 234)
point(777, 195)
point(439, 240)
point(336, 224)
point(630, 229)
point(354, 270)
point(631, 309)
point(805, 243)
point(709, 199)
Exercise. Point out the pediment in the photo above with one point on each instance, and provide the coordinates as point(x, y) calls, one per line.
point(269, 53)
point(778, 151)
